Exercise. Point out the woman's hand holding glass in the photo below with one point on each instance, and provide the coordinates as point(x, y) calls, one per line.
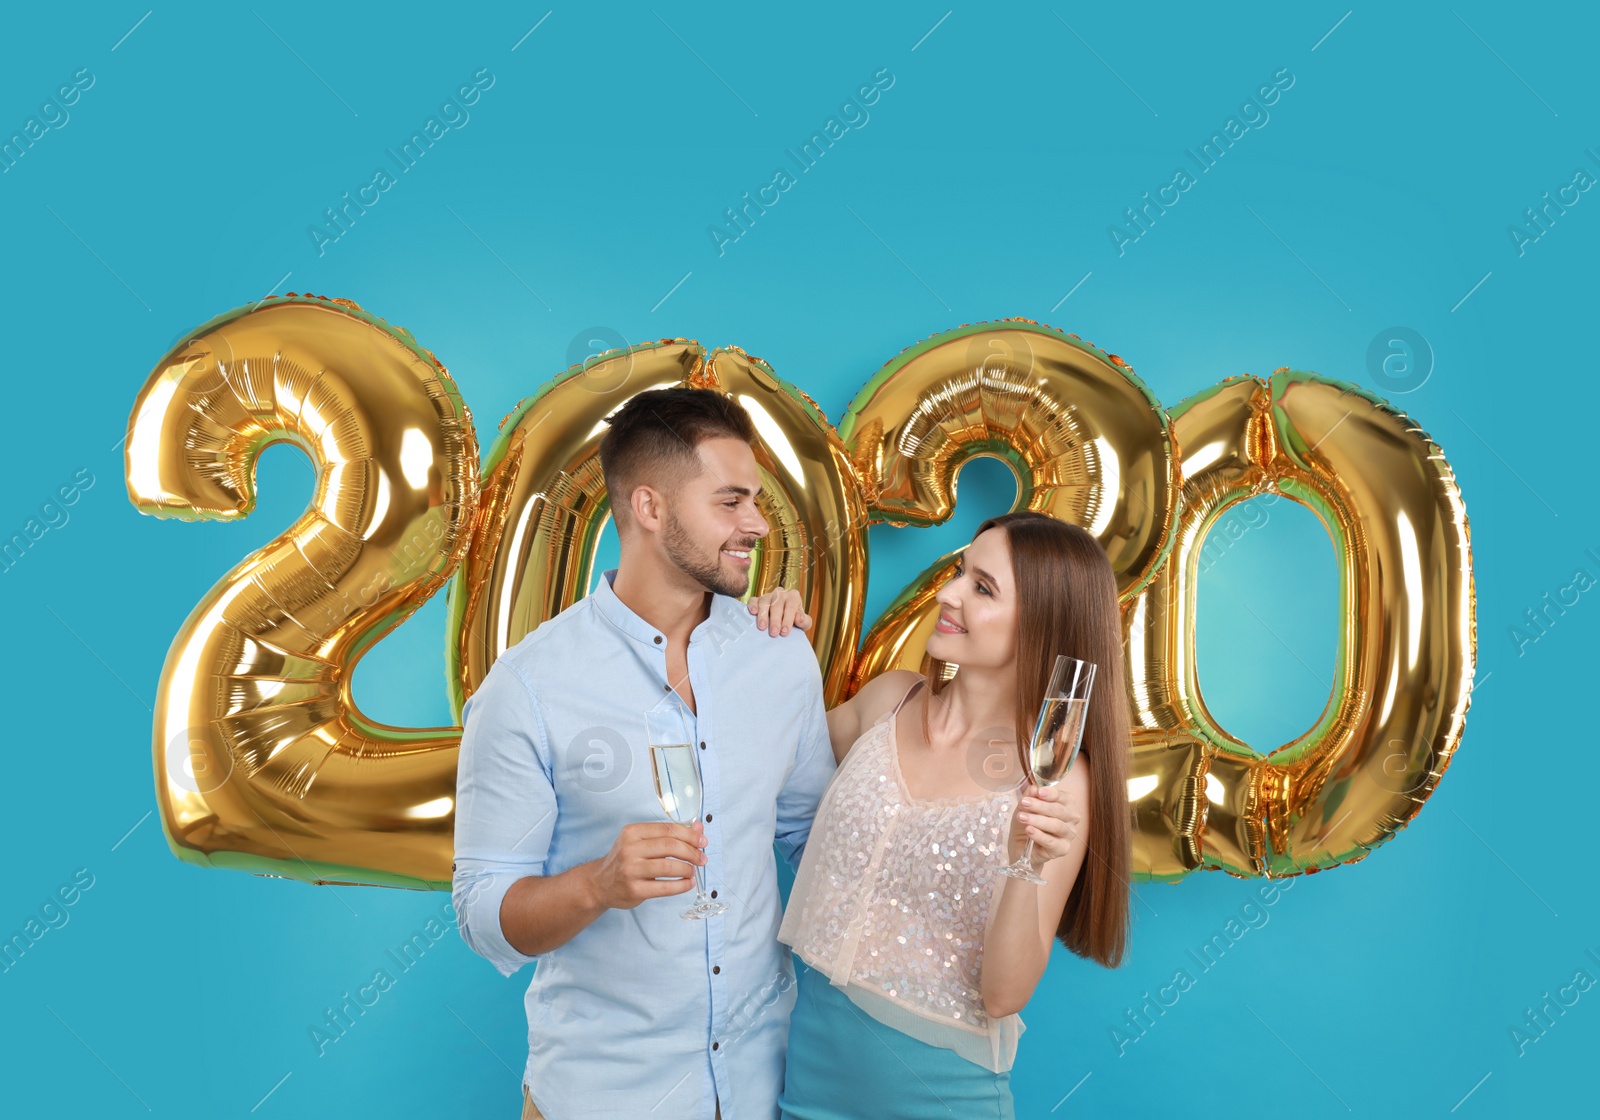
point(1048, 817)
point(1051, 750)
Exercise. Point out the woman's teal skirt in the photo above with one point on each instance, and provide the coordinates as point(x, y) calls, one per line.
point(845, 1065)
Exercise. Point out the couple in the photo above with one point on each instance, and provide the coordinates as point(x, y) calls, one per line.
point(896, 807)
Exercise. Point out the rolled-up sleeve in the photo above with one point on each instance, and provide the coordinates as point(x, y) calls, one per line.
point(813, 767)
point(505, 809)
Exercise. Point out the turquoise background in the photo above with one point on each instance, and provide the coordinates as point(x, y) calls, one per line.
point(574, 204)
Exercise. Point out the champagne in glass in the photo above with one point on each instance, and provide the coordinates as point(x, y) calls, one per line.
point(676, 768)
point(1057, 734)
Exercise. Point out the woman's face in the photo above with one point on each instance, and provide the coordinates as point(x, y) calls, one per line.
point(978, 618)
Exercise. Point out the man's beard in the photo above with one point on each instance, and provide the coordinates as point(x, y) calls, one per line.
point(708, 573)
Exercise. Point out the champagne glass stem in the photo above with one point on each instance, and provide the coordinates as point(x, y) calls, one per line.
point(699, 883)
point(1027, 855)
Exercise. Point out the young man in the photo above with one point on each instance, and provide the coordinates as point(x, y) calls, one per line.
point(563, 852)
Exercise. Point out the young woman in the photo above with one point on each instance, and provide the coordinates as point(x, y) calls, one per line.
point(911, 941)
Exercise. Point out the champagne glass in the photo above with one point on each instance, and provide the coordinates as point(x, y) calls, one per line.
point(676, 767)
point(1056, 737)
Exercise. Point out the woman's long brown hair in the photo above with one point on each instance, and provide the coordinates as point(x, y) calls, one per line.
point(1067, 603)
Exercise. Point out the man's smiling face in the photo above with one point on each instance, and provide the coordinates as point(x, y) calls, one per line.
point(712, 520)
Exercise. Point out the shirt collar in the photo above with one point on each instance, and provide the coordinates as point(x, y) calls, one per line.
point(620, 615)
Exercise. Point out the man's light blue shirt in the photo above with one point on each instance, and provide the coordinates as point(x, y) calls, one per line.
point(644, 1014)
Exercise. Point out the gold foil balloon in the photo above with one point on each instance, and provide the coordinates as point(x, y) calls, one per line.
point(1404, 666)
point(264, 763)
point(262, 759)
point(1086, 440)
point(544, 503)
point(814, 506)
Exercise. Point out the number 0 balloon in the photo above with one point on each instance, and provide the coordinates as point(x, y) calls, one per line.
point(264, 763)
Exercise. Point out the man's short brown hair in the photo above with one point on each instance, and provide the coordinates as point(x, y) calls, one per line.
point(652, 439)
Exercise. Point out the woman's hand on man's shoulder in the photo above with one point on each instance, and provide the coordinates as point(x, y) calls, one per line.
point(779, 611)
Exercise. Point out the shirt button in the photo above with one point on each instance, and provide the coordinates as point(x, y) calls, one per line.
point(713, 894)
point(702, 744)
point(666, 688)
point(715, 1045)
point(658, 639)
point(708, 818)
point(716, 968)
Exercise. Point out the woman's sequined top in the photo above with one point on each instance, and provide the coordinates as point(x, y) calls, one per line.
point(893, 899)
